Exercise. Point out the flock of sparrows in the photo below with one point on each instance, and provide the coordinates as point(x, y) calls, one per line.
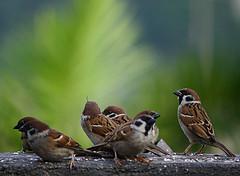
point(113, 131)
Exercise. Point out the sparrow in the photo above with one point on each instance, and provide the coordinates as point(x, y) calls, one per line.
point(129, 139)
point(195, 123)
point(95, 124)
point(51, 145)
point(117, 114)
point(25, 146)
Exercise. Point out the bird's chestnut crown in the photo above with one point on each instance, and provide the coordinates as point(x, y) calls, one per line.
point(23, 121)
point(112, 111)
point(91, 109)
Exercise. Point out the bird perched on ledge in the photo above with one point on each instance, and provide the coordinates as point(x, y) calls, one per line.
point(195, 122)
point(119, 116)
point(129, 139)
point(50, 144)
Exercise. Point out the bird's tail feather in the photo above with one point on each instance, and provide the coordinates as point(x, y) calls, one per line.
point(86, 152)
point(223, 148)
point(156, 150)
point(99, 147)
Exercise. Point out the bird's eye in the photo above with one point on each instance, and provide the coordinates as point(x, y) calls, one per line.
point(138, 123)
point(112, 115)
point(21, 123)
point(189, 98)
point(32, 131)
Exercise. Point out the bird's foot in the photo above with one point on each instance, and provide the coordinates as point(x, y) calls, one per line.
point(142, 159)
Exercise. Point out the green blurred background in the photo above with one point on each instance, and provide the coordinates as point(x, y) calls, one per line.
point(54, 54)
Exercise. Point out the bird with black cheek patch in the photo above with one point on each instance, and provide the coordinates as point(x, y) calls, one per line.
point(195, 122)
point(50, 144)
point(153, 148)
point(129, 139)
point(119, 116)
point(155, 131)
point(95, 124)
point(25, 146)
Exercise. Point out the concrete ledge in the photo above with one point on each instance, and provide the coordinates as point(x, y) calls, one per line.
point(30, 164)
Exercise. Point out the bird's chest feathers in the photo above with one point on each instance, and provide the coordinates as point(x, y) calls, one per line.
point(183, 110)
point(139, 134)
point(38, 137)
point(139, 138)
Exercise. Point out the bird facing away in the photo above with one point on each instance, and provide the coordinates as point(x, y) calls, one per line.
point(95, 124)
point(117, 114)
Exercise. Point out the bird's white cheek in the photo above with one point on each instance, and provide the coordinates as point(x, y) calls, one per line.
point(37, 135)
point(138, 128)
point(84, 117)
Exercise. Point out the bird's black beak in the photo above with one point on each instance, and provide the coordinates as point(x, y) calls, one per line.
point(156, 115)
point(151, 122)
point(177, 93)
point(16, 127)
point(22, 128)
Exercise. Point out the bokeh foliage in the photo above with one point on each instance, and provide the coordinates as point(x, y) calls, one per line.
point(94, 51)
point(50, 70)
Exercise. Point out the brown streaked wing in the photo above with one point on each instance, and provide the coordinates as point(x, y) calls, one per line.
point(207, 123)
point(195, 118)
point(119, 133)
point(63, 140)
point(101, 125)
point(121, 119)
